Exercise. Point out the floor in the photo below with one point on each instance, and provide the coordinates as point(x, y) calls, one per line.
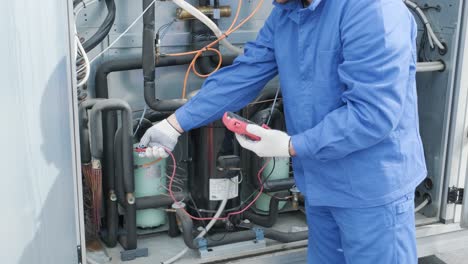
point(299, 257)
point(161, 248)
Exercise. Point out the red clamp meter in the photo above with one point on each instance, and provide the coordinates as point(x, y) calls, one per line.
point(238, 125)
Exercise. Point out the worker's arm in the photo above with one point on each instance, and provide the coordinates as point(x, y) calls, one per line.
point(377, 50)
point(233, 87)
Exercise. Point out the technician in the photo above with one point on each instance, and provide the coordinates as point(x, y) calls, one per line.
point(347, 72)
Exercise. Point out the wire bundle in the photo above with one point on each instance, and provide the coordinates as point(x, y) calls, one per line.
point(431, 36)
point(209, 47)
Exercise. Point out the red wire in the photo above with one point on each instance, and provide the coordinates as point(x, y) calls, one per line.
point(171, 179)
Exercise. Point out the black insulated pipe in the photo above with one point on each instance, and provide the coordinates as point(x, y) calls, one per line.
point(278, 185)
point(129, 239)
point(84, 129)
point(270, 219)
point(157, 201)
point(149, 64)
point(127, 136)
point(104, 29)
point(235, 237)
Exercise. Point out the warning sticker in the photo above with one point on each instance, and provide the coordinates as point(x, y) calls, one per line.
point(221, 189)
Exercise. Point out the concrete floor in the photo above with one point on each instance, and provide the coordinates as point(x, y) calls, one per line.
point(161, 248)
point(299, 257)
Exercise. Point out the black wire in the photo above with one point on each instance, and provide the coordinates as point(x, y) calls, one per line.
point(196, 209)
point(104, 29)
point(422, 56)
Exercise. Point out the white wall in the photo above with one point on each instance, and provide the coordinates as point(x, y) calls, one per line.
point(37, 219)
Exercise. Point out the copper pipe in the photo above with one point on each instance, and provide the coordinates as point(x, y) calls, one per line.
point(225, 11)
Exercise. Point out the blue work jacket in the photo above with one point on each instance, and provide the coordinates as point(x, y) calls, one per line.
point(347, 74)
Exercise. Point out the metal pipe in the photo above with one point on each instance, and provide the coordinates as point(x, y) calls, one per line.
point(224, 11)
point(430, 66)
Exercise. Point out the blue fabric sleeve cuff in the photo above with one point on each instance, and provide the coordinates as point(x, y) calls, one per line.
point(299, 145)
point(184, 119)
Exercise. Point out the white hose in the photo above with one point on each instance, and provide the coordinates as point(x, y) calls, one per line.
point(430, 32)
point(421, 206)
point(208, 22)
point(202, 233)
point(430, 66)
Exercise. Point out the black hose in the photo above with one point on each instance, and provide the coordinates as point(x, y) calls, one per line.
point(84, 129)
point(157, 201)
point(149, 64)
point(266, 220)
point(104, 29)
point(278, 185)
point(119, 189)
point(127, 137)
point(173, 227)
point(129, 239)
point(235, 237)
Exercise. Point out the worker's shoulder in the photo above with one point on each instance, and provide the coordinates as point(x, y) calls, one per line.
point(375, 10)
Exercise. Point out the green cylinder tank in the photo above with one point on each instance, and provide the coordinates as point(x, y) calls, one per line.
point(281, 171)
point(150, 179)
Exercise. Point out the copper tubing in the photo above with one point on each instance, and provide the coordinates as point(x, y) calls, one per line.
point(225, 11)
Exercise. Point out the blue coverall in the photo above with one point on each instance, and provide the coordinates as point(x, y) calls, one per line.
point(347, 74)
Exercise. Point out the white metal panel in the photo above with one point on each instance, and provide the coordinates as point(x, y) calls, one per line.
point(38, 223)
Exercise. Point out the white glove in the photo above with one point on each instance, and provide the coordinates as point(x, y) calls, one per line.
point(158, 138)
point(272, 143)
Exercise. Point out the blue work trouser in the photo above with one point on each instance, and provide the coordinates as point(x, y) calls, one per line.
point(383, 234)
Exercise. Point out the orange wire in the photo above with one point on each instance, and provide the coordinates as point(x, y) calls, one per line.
point(199, 52)
point(239, 5)
point(217, 67)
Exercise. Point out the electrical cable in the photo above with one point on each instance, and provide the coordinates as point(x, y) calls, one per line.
point(422, 205)
point(273, 106)
point(87, 65)
point(104, 29)
point(208, 47)
point(141, 120)
point(432, 38)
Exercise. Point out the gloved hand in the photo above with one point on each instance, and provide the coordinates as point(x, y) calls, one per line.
point(157, 138)
point(273, 143)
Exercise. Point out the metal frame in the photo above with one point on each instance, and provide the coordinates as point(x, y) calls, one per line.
point(74, 124)
point(457, 155)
